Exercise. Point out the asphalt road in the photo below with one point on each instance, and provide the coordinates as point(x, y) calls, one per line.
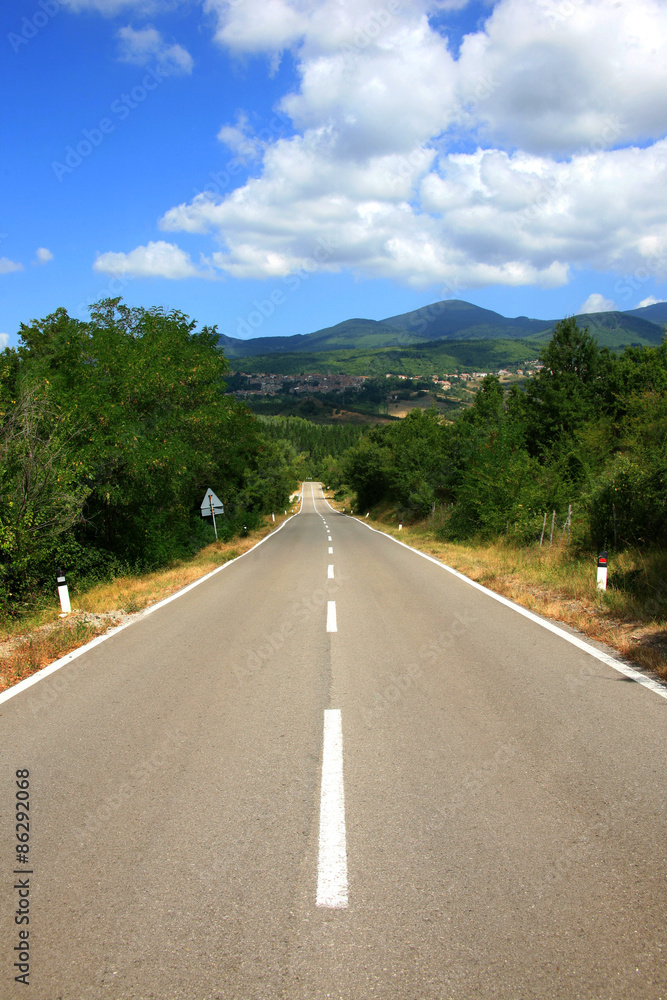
point(500, 833)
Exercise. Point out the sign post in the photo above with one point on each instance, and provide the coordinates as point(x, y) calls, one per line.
point(210, 506)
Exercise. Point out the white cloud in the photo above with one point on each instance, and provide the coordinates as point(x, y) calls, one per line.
point(4, 340)
point(370, 182)
point(7, 265)
point(156, 260)
point(547, 76)
point(43, 255)
point(650, 301)
point(147, 45)
point(240, 139)
point(568, 76)
point(463, 219)
point(596, 303)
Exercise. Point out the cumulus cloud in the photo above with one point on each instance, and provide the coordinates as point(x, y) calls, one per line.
point(156, 260)
point(463, 219)
point(4, 340)
point(565, 77)
point(7, 265)
point(43, 255)
point(370, 182)
point(240, 139)
point(649, 301)
point(596, 303)
point(147, 45)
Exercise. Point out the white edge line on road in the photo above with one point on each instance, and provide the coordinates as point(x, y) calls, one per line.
point(620, 665)
point(332, 858)
point(64, 660)
point(331, 617)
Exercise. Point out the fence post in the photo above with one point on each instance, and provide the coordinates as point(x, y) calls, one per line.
point(544, 524)
point(553, 521)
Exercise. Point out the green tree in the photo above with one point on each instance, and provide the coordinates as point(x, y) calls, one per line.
point(41, 494)
point(570, 388)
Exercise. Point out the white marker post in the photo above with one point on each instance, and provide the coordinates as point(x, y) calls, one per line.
point(274, 518)
point(63, 593)
point(602, 571)
point(210, 506)
point(400, 526)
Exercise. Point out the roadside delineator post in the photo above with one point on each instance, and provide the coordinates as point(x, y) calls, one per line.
point(400, 525)
point(602, 571)
point(274, 517)
point(63, 594)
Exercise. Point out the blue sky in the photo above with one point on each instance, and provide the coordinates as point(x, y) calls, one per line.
point(277, 166)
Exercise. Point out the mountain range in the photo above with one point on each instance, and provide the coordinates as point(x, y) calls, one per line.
point(454, 319)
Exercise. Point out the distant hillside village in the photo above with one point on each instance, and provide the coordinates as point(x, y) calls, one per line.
point(263, 384)
point(259, 384)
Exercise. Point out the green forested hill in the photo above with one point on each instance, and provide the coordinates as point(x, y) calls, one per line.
point(453, 320)
point(424, 359)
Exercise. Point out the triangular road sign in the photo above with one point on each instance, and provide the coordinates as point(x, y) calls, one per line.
point(211, 501)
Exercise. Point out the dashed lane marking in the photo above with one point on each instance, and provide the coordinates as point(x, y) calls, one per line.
point(332, 884)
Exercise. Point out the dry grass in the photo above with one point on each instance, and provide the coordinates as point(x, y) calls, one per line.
point(25, 655)
point(32, 644)
point(559, 584)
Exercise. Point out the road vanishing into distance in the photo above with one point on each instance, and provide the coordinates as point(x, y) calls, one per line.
point(335, 770)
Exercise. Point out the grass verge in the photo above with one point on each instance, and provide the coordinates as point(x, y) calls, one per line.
point(32, 643)
point(559, 583)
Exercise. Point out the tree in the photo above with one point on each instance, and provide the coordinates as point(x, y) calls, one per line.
point(41, 494)
point(566, 392)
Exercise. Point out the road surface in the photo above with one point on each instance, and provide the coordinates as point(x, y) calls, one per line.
point(334, 770)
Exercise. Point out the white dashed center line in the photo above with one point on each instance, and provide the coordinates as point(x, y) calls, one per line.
point(330, 575)
point(330, 550)
point(331, 617)
point(332, 859)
